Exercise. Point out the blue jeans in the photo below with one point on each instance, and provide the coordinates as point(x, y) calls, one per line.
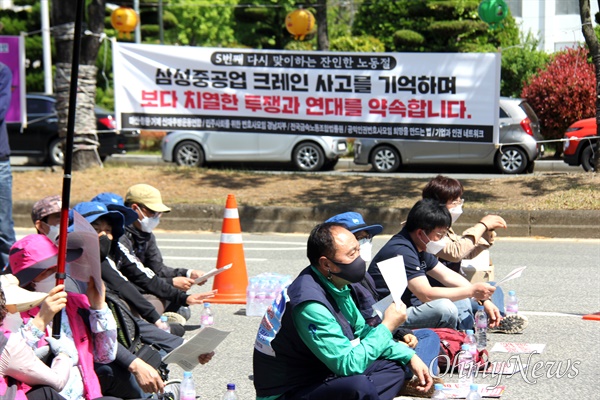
point(7, 232)
point(497, 299)
point(428, 349)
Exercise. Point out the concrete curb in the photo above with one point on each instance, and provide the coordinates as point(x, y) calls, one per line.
point(583, 224)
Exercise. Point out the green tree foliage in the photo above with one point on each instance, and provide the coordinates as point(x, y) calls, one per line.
point(519, 64)
point(360, 44)
point(202, 23)
point(564, 92)
point(432, 26)
point(261, 27)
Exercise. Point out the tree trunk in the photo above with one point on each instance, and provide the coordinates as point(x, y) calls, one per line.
point(321, 20)
point(85, 149)
point(592, 42)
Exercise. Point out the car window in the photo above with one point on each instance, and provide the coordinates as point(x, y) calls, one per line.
point(39, 106)
point(503, 113)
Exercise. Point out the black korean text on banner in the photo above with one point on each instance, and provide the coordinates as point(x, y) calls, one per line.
point(417, 96)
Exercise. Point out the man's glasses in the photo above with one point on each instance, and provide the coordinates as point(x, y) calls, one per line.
point(457, 203)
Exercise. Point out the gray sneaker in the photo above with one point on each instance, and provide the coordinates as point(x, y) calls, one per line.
point(511, 324)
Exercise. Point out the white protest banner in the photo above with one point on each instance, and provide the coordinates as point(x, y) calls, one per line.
point(394, 274)
point(450, 97)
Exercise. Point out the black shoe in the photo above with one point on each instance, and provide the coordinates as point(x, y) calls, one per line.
point(177, 329)
point(511, 324)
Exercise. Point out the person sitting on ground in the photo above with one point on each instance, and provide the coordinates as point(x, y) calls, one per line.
point(146, 201)
point(473, 241)
point(425, 341)
point(314, 343)
point(20, 368)
point(87, 325)
point(422, 237)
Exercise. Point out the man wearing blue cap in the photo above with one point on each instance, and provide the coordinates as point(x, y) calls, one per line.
point(425, 341)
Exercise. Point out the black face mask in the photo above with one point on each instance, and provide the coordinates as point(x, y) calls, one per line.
point(105, 245)
point(353, 272)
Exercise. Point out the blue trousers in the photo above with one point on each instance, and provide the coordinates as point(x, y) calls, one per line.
point(427, 349)
point(7, 232)
point(382, 380)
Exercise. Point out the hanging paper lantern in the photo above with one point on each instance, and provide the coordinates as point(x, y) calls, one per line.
point(124, 20)
point(300, 23)
point(492, 12)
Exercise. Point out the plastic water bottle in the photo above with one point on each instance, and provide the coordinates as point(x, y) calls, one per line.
point(472, 342)
point(251, 297)
point(206, 316)
point(512, 305)
point(439, 392)
point(473, 394)
point(465, 368)
point(481, 325)
point(260, 297)
point(270, 293)
point(230, 394)
point(164, 320)
point(187, 389)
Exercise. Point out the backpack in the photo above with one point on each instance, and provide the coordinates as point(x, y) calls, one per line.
point(128, 335)
point(451, 341)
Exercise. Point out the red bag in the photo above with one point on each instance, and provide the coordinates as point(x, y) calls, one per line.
point(451, 341)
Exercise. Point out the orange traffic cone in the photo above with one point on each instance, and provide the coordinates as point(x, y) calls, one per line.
point(232, 283)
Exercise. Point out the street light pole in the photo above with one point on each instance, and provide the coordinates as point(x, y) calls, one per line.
point(138, 33)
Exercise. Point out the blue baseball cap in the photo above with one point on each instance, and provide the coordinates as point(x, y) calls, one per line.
point(92, 210)
point(114, 202)
point(354, 222)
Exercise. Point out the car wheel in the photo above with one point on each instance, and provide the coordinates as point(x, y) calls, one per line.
point(587, 159)
point(308, 157)
point(189, 154)
point(56, 154)
point(511, 160)
point(385, 159)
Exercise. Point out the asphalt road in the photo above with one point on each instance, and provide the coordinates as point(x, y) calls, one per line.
point(561, 283)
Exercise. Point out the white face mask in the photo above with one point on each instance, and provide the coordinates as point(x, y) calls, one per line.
point(12, 322)
point(433, 246)
point(46, 284)
point(365, 251)
point(148, 224)
point(455, 212)
point(53, 232)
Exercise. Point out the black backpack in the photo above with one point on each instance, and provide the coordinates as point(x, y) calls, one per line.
point(128, 335)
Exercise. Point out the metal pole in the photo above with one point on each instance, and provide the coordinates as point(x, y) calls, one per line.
point(138, 32)
point(66, 189)
point(46, 49)
point(161, 30)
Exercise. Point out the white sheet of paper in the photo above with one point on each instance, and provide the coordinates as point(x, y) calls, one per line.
point(514, 274)
point(527, 348)
point(394, 275)
point(186, 355)
point(211, 273)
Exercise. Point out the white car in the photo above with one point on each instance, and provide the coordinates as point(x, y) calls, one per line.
point(306, 153)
